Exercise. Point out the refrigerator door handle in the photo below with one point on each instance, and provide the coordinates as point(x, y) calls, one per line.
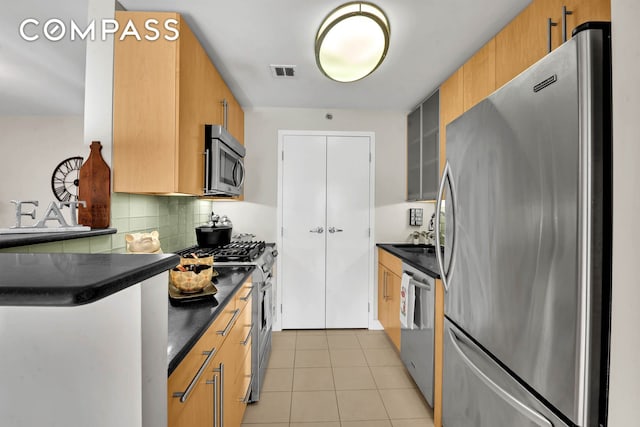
point(532, 415)
point(446, 274)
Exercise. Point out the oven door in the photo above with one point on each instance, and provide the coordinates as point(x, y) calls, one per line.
point(224, 170)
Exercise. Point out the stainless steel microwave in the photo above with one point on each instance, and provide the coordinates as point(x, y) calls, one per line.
point(223, 162)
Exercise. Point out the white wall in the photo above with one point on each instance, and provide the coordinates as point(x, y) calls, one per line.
point(98, 90)
point(258, 213)
point(30, 148)
point(624, 397)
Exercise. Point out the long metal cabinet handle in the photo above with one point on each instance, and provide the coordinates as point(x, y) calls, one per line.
point(447, 274)
point(207, 168)
point(230, 324)
point(185, 395)
point(246, 340)
point(532, 415)
point(384, 285)
point(565, 12)
point(550, 24)
point(221, 371)
point(246, 297)
point(215, 399)
point(225, 113)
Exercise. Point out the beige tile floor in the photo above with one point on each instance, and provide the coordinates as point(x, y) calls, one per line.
point(337, 378)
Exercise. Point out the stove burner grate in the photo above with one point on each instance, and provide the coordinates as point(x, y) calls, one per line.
point(235, 251)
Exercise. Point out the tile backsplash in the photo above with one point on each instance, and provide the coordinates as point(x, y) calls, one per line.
point(174, 217)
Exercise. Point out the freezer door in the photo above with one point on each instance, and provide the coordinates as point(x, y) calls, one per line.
point(478, 393)
point(520, 170)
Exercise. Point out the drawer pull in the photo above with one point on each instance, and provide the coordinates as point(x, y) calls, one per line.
point(230, 324)
point(215, 401)
point(246, 340)
point(221, 402)
point(185, 395)
point(246, 297)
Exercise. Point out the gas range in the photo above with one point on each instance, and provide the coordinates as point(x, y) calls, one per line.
point(261, 255)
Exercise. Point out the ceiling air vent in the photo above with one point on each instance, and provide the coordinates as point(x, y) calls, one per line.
point(283, 71)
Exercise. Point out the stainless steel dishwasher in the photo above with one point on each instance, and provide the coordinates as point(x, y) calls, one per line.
point(417, 339)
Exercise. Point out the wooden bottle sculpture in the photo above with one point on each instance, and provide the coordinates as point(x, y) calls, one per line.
point(95, 189)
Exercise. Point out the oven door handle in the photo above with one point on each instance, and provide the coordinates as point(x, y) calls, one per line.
point(266, 286)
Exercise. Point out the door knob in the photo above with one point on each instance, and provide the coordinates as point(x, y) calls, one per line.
point(335, 230)
point(318, 230)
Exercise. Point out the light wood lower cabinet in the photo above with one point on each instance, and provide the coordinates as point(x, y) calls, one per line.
point(210, 386)
point(389, 277)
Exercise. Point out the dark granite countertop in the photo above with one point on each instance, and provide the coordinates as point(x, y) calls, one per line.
point(189, 320)
point(73, 279)
point(425, 262)
point(14, 240)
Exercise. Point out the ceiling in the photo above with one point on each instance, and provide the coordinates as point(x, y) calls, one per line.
point(429, 40)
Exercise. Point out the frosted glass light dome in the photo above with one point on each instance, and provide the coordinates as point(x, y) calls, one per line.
point(352, 41)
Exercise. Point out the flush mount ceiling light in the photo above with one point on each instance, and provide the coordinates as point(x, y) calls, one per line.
point(352, 41)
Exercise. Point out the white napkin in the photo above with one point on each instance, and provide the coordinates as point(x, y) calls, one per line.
point(407, 302)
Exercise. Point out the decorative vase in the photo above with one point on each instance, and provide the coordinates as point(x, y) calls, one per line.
point(95, 190)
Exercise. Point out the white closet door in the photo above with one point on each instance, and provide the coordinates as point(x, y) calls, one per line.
point(347, 276)
point(303, 250)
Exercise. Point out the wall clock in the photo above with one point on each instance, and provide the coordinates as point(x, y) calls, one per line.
point(65, 179)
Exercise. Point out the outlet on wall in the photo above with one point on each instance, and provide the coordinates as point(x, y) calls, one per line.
point(415, 216)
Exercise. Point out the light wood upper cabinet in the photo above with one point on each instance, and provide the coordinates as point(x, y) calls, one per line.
point(235, 115)
point(525, 40)
point(585, 10)
point(479, 74)
point(451, 107)
point(164, 93)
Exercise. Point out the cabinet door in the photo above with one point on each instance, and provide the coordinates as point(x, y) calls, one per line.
point(383, 312)
point(451, 107)
point(525, 39)
point(235, 115)
point(197, 410)
point(583, 11)
point(212, 93)
point(414, 133)
point(192, 113)
point(393, 306)
point(480, 75)
point(430, 147)
point(144, 109)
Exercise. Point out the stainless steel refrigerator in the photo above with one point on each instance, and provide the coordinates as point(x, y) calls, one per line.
point(528, 229)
